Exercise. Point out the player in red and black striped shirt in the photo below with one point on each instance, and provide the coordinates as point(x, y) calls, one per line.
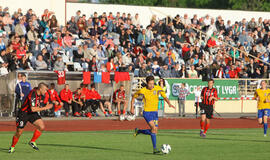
point(29, 112)
point(208, 96)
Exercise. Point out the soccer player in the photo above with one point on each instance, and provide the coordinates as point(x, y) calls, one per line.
point(29, 112)
point(150, 95)
point(209, 96)
point(262, 96)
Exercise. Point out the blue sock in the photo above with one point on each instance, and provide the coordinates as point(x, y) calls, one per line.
point(145, 131)
point(154, 140)
point(265, 126)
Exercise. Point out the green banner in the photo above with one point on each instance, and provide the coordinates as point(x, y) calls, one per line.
point(225, 88)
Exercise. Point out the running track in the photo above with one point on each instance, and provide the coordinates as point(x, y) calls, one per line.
point(112, 124)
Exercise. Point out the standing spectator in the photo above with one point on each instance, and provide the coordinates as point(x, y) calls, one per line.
point(198, 100)
point(66, 97)
point(183, 93)
point(23, 88)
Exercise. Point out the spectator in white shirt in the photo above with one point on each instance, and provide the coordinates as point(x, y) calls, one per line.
point(192, 73)
point(198, 100)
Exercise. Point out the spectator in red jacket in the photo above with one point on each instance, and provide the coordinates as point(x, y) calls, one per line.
point(110, 65)
point(119, 97)
point(233, 72)
point(77, 102)
point(94, 100)
point(66, 97)
point(211, 44)
point(54, 97)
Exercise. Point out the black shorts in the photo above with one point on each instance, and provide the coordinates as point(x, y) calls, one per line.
point(195, 104)
point(23, 117)
point(207, 110)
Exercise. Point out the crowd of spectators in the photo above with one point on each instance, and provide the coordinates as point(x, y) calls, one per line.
point(168, 47)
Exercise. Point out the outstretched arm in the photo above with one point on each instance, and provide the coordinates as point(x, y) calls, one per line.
point(168, 102)
point(132, 105)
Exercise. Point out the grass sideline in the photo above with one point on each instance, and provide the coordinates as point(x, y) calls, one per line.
point(220, 144)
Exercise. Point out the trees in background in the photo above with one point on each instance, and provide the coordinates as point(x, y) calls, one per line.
point(249, 5)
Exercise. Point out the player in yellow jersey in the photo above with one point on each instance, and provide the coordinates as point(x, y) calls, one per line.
point(150, 95)
point(262, 97)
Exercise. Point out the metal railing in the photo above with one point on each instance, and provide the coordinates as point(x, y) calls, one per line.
point(223, 42)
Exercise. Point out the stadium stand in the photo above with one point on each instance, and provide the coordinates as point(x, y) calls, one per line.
point(168, 47)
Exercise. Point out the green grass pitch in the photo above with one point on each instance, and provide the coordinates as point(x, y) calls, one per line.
point(221, 144)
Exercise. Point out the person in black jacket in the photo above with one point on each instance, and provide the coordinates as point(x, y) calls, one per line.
point(78, 55)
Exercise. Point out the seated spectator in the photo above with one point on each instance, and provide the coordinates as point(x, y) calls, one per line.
point(192, 73)
point(59, 64)
point(20, 52)
point(119, 97)
point(78, 55)
point(105, 107)
point(3, 63)
point(233, 72)
point(220, 73)
point(35, 48)
point(40, 63)
point(24, 64)
point(165, 72)
point(110, 65)
point(77, 102)
point(47, 36)
point(66, 97)
point(53, 97)
point(155, 68)
point(94, 100)
point(183, 72)
point(176, 71)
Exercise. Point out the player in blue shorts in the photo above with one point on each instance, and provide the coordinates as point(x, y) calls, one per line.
point(150, 95)
point(262, 96)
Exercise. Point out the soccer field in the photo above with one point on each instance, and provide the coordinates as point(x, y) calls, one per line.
point(227, 144)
